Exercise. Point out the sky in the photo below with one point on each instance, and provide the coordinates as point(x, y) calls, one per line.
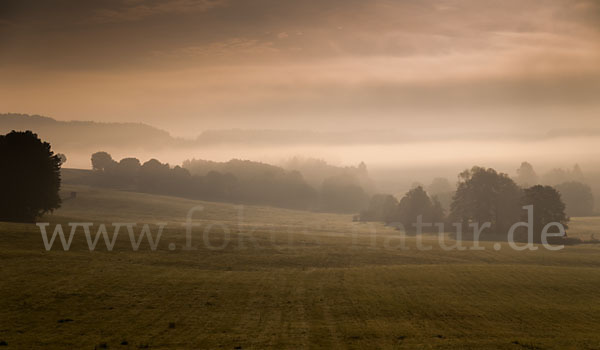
point(192, 65)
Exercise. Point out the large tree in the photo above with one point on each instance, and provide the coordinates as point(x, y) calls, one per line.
point(484, 195)
point(29, 177)
point(547, 207)
point(415, 203)
point(102, 161)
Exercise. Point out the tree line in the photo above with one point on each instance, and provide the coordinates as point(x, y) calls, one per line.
point(239, 181)
point(482, 195)
point(31, 178)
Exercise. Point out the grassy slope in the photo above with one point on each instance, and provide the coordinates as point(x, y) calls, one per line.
point(286, 279)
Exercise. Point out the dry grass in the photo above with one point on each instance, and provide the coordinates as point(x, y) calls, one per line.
point(286, 279)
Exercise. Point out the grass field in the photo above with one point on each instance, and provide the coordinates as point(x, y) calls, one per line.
point(285, 279)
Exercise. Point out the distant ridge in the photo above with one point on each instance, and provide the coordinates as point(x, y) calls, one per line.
point(88, 135)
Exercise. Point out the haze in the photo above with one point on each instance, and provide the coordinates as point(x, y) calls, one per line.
point(440, 68)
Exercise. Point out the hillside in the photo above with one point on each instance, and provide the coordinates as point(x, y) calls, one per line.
point(88, 135)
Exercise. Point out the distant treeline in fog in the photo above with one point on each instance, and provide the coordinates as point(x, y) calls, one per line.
point(312, 184)
point(238, 181)
point(485, 195)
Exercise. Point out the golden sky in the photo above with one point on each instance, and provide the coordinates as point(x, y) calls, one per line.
point(190, 65)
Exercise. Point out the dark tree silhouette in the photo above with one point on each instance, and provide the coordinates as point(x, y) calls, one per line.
point(414, 203)
point(252, 182)
point(29, 177)
point(484, 195)
point(102, 161)
point(547, 207)
point(154, 177)
point(128, 168)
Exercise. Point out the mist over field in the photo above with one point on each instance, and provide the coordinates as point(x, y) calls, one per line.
point(380, 148)
point(396, 159)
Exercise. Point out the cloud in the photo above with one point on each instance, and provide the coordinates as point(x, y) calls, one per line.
point(135, 10)
point(216, 63)
point(228, 49)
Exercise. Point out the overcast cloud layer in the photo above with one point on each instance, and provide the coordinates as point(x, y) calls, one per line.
point(191, 65)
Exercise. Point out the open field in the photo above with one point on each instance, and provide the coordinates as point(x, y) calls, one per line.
point(285, 279)
point(586, 228)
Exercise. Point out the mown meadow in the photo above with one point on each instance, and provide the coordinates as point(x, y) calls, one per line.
point(259, 277)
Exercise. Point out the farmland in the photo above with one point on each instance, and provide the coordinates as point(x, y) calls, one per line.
point(258, 277)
